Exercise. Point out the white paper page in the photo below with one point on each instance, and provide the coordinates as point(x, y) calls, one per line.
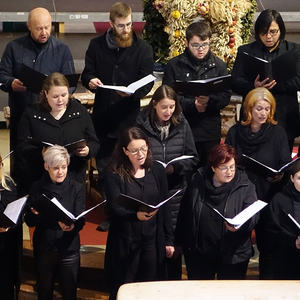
point(87, 211)
point(162, 163)
point(57, 203)
point(210, 79)
point(293, 219)
point(131, 88)
point(247, 213)
point(13, 209)
point(139, 83)
point(163, 202)
point(180, 158)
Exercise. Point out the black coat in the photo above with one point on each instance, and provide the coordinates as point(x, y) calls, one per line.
point(283, 233)
point(120, 66)
point(179, 142)
point(75, 124)
point(10, 244)
point(54, 56)
point(273, 152)
point(285, 93)
point(235, 247)
point(122, 223)
point(48, 236)
point(206, 126)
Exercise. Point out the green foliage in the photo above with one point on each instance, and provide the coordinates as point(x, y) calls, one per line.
point(154, 32)
point(247, 22)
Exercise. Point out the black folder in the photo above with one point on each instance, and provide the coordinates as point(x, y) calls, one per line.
point(203, 87)
point(261, 168)
point(280, 68)
point(134, 204)
point(33, 79)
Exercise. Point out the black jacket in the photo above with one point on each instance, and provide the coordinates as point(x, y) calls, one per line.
point(285, 93)
point(54, 56)
point(179, 142)
point(235, 247)
point(48, 236)
point(123, 222)
point(273, 152)
point(120, 66)
point(206, 126)
point(10, 242)
point(75, 124)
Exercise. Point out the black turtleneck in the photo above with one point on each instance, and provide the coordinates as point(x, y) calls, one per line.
point(196, 61)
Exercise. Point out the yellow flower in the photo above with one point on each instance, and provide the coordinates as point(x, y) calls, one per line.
point(175, 14)
point(176, 33)
point(175, 53)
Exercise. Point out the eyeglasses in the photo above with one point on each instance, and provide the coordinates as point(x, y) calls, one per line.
point(143, 149)
point(225, 169)
point(271, 32)
point(122, 26)
point(199, 46)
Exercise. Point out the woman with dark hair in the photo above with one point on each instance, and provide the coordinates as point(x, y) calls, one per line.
point(283, 231)
point(211, 246)
point(10, 242)
point(56, 119)
point(56, 245)
point(170, 137)
point(259, 137)
point(138, 241)
point(269, 45)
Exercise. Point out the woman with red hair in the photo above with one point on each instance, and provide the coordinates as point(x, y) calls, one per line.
point(211, 246)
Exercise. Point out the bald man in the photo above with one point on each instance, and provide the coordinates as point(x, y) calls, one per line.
point(38, 50)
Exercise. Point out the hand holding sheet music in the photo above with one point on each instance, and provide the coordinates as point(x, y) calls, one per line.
point(244, 215)
point(62, 214)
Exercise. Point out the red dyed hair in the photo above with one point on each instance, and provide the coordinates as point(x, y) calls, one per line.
point(221, 154)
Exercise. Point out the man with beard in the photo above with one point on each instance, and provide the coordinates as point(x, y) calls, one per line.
point(118, 57)
point(37, 50)
point(198, 62)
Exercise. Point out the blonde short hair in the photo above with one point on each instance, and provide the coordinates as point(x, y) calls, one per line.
point(56, 155)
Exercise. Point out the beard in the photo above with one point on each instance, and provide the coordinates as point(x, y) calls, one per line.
point(123, 40)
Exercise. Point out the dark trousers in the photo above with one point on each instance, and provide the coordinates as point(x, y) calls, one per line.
point(48, 265)
point(174, 268)
point(141, 266)
point(203, 268)
point(203, 149)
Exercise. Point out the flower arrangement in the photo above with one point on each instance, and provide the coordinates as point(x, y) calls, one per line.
point(230, 20)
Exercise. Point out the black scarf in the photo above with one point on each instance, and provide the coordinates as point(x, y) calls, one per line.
point(196, 61)
point(250, 141)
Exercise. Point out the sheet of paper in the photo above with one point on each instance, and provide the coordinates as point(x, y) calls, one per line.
point(13, 209)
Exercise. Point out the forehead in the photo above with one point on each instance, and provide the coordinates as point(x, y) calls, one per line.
point(262, 102)
point(58, 89)
point(229, 163)
point(274, 25)
point(124, 20)
point(197, 39)
point(166, 101)
point(137, 143)
point(39, 20)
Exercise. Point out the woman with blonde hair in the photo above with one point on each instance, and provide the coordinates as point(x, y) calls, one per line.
point(10, 241)
point(259, 137)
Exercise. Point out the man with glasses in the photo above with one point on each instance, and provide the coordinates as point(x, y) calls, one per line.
point(269, 44)
point(118, 57)
point(198, 62)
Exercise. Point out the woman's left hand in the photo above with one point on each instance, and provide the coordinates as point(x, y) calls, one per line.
point(170, 251)
point(230, 228)
point(82, 151)
point(65, 227)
